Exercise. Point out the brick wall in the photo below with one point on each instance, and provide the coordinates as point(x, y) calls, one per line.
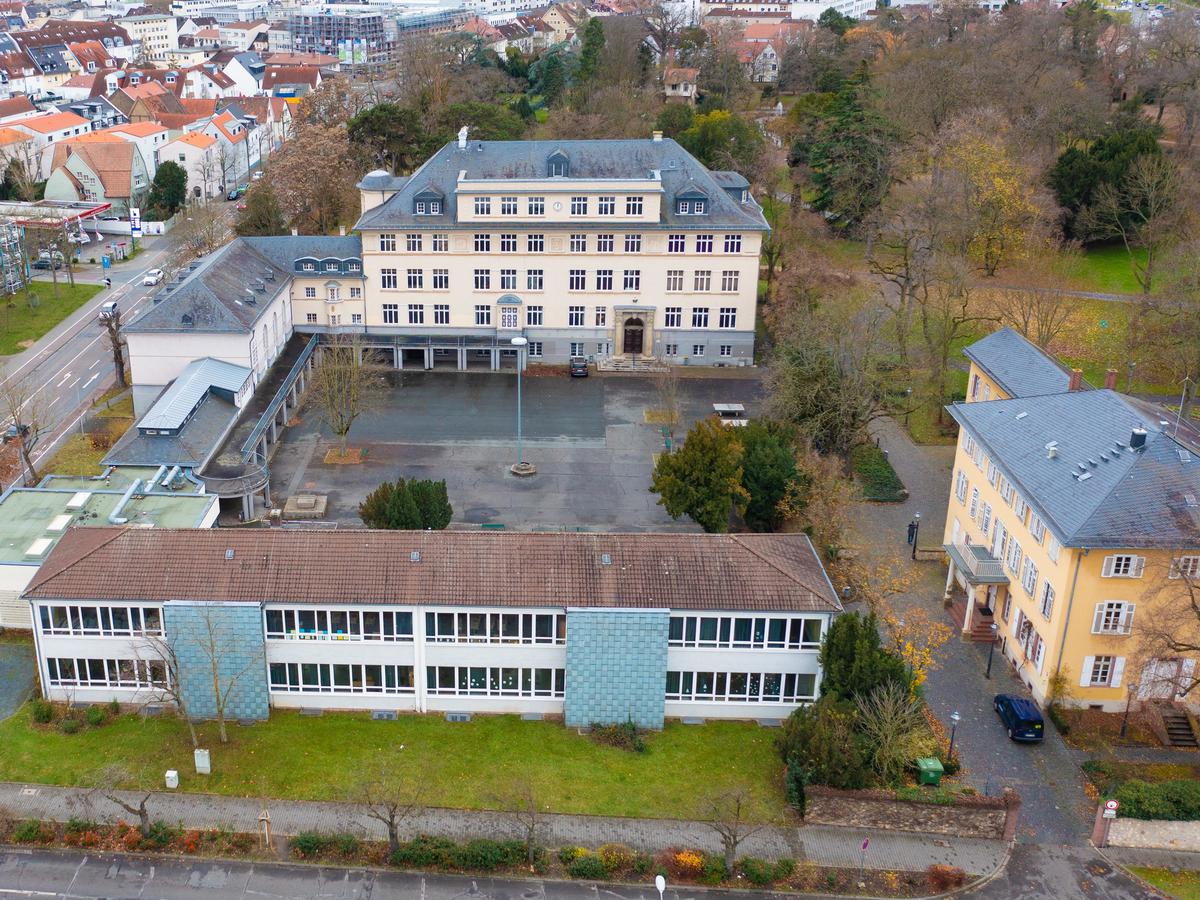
point(238, 632)
point(616, 667)
point(982, 817)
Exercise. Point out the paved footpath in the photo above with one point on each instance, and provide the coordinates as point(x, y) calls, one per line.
point(826, 846)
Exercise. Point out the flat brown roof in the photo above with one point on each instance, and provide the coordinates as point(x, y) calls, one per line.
point(754, 572)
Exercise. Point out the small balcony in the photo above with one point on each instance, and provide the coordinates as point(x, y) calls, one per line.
point(976, 563)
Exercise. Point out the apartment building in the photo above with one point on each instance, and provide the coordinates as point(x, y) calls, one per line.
point(626, 249)
point(157, 33)
point(1072, 523)
point(592, 627)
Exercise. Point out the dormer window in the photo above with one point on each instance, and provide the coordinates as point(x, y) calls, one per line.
point(308, 267)
point(91, 66)
point(558, 166)
point(331, 267)
point(692, 207)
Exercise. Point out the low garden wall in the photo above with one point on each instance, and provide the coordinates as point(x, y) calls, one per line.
point(965, 816)
point(1155, 834)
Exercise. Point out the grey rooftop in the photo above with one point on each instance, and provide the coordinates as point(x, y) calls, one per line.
point(177, 403)
point(1020, 367)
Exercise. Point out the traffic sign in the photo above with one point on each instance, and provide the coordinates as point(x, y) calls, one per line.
point(135, 221)
point(1110, 808)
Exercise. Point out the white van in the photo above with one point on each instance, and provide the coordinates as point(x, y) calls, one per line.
point(108, 309)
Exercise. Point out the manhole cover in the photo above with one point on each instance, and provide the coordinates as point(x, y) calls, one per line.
point(29, 792)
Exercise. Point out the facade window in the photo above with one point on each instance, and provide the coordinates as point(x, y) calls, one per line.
point(1123, 566)
point(484, 681)
point(697, 350)
point(728, 318)
point(745, 633)
point(729, 280)
point(960, 486)
point(416, 314)
point(535, 348)
point(704, 243)
point(387, 243)
point(441, 314)
point(576, 280)
point(473, 627)
point(606, 206)
point(441, 243)
point(741, 687)
point(1113, 617)
point(508, 317)
point(1185, 567)
point(431, 208)
point(633, 206)
point(1037, 527)
point(388, 279)
point(671, 349)
point(675, 243)
point(508, 279)
point(310, 318)
point(355, 293)
point(733, 243)
point(508, 243)
point(483, 243)
point(441, 279)
point(310, 293)
point(536, 206)
point(674, 279)
point(305, 623)
point(726, 350)
point(340, 678)
point(534, 279)
point(633, 279)
point(1014, 555)
point(508, 206)
point(1053, 548)
point(412, 243)
point(308, 267)
point(700, 317)
point(101, 621)
point(673, 317)
point(605, 243)
point(604, 279)
point(577, 348)
point(391, 314)
point(1100, 674)
point(106, 673)
point(973, 509)
point(535, 243)
point(579, 206)
point(575, 316)
point(987, 518)
point(579, 243)
point(601, 316)
point(416, 279)
point(356, 318)
point(633, 243)
point(702, 281)
point(483, 314)
point(1029, 577)
point(483, 279)
point(533, 315)
point(1047, 601)
point(483, 206)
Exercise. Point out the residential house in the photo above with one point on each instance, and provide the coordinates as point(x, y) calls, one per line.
point(148, 137)
point(69, 31)
point(14, 109)
point(1070, 509)
point(323, 61)
point(55, 62)
point(235, 151)
point(245, 71)
point(50, 129)
point(279, 38)
point(196, 153)
point(99, 112)
point(679, 83)
point(565, 22)
point(19, 74)
point(92, 57)
point(241, 36)
point(207, 82)
point(760, 59)
point(20, 148)
point(157, 33)
point(99, 168)
point(291, 81)
point(601, 628)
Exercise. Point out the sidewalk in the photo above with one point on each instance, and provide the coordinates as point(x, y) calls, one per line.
point(826, 846)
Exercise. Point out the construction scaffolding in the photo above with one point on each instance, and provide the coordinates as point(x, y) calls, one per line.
point(12, 257)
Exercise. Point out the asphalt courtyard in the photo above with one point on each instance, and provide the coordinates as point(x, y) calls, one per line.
point(588, 437)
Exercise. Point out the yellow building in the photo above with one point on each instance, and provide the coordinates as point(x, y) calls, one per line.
point(1070, 510)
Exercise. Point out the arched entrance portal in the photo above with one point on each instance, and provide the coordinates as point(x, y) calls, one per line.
point(632, 338)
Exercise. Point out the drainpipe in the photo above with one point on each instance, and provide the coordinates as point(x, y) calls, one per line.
point(1062, 645)
point(150, 483)
point(171, 476)
point(115, 517)
point(103, 475)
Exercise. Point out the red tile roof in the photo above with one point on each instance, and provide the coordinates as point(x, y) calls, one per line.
point(15, 106)
point(762, 572)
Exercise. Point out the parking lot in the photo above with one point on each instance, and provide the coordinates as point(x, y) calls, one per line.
point(588, 437)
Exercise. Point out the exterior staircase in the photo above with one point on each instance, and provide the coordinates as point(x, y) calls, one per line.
point(622, 364)
point(981, 628)
point(1179, 730)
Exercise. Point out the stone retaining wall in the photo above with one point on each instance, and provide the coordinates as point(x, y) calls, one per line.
point(980, 817)
point(1154, 834)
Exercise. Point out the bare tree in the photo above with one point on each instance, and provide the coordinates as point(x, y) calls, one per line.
point(203, 229)
point(520, 801)
point(670, 409)
point(155, 651)
point(1040, 314)
point(728, 814)
point(23, 404)
point(391, 801)
point(116, 342)
point(212, 638)
point(113, 775)
point(345, 383)
point(1167, 640)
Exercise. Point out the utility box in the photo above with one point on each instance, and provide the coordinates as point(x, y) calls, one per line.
point(172, 779)
point(929, 771)
point(202, 764)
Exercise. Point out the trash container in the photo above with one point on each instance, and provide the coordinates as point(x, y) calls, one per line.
point(172, 779)
point(929, 771)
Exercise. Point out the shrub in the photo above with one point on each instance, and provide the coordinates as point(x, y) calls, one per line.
point(878, 479)
point(568, 855)
point(78, 826)
point(425, 852)
point(42, 711)
point(69, 725)
point(683, 864)
point(95, 716)
point(1059, 718)
point(1178, 799)
point(161, 833)
point(346, 844)
point(784, 868)
point(943, 877)
point(480, 855)
point(756, 871)
point(713, 871)
point(114, 707)
point(588, 867)
point(616, 857)
point(643, 864)
point(623, 735)
point(27, 832)
point(308, 844)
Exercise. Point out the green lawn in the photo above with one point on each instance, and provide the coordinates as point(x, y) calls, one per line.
point(876, 476)
point(76, 456)
point(1104, 269)
point(458, 764)
point(19, 324)
point(1181, 885)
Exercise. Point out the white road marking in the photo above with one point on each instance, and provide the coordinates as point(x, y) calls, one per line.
point(90, 380)
point(93, 365)
point(64, 379)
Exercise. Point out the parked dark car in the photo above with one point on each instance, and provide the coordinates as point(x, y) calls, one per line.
point(1022, 719)
point(15, 431)
point(579, 367)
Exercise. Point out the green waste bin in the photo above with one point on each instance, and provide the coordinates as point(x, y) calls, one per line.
point(929, 771)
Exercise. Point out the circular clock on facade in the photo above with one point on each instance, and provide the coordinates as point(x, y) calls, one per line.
point(557, 205)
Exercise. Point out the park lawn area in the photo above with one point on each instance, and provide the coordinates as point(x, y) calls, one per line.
point(76, 456)
point(1183, 885)
point(876, 476)
point(20, 325)
point(465, 765)
point(1104, 269)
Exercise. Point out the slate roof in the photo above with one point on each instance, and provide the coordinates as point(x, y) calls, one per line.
point(1020, 367)
point(1120, 497)
point(174, 405)
point(284, 250)
point(618, 159)
point(773, 572)
point(197, 442)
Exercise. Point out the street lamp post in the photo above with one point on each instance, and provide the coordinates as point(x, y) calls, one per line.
point(914, 528)
point(955, 718)
point(992, 649)
point(520, 467)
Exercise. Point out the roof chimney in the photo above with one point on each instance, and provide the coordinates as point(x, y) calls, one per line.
point(1137, 440)
point(1110, 379)
point(295, 232)
point(1076, 380)
point(657, 136)
point(342, 230)
point(462, 138)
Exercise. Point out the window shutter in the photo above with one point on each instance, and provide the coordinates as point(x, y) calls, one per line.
point(1139, 563)
point(1127, 618)
point(1098, 618)
point(1107, 570)
point(1085, 674)
point(1039, 655)
point(1117, 671)
point(1016, 623)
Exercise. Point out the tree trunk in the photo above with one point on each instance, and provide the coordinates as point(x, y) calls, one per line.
point(393, 836)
